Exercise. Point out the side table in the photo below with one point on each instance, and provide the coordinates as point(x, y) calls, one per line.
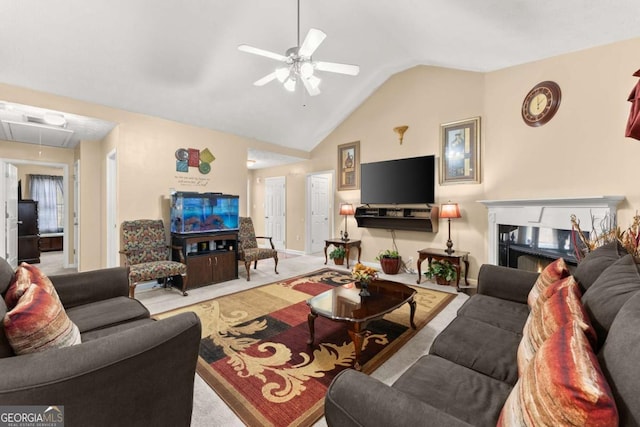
point(454, 258)
point(346, 245)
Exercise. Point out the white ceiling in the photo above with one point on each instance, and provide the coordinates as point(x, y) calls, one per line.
point(179, 59)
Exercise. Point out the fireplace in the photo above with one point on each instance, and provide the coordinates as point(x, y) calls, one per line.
point(530, 233)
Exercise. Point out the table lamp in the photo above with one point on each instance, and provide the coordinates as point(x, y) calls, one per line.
point(346, 209)
point(450, 210)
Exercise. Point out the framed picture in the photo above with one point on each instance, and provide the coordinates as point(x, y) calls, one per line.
point(349, 166)
point(460, 152)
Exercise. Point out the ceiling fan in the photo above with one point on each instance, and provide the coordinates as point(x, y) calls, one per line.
point(298, 64)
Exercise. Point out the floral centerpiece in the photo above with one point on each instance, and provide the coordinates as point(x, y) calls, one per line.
point(629, 238)
point(364, 275)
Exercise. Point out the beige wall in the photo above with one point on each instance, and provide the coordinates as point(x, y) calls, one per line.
point(145, 148)
point(582, 151)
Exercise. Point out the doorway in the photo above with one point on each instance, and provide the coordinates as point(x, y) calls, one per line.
point(319, 210)
point(112, 222)
point(64, 261)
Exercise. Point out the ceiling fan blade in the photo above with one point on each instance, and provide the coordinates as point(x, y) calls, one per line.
point(311, 88)
point(266, 79)
point(261, 52)
point(335, 67)
point(311, 42)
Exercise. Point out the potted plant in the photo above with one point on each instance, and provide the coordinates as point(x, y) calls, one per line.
point(443, 271)
point(337, 255)
point(390, 261)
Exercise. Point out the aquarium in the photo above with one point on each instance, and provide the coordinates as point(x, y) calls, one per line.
point(203, 212)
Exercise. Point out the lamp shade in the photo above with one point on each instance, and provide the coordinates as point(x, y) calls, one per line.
point(346, 209)
point(450, 210)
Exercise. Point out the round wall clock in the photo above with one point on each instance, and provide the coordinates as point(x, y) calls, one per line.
point(541, 103)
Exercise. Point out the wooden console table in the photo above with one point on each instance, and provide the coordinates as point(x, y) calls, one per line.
point(454, 258)
point(346, 245)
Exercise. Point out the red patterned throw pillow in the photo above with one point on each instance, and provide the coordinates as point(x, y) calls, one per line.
point(553, 272)
point(39, 322)
point(562, 386)
point(27, 274)
point(561, 307)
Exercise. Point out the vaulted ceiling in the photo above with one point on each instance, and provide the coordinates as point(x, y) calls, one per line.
point(179, 59)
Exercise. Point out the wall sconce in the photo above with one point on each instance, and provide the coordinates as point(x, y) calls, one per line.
point(400, 130)
point(450, 210)
point(346, 209)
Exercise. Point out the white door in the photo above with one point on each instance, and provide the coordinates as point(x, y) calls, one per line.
point(112, 224)
point(275, 210)
point(11, 215)
point(320, 206)
point(76, 214)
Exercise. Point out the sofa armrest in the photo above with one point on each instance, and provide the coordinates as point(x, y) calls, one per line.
point(506, 283)
point(91, 286)
point(356, 399)
point(142, 376)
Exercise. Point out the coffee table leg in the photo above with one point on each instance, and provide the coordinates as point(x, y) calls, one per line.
point(311, 321)
point(412, 305)
point(357, 336)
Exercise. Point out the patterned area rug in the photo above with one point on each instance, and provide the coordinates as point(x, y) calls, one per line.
point(254, 351)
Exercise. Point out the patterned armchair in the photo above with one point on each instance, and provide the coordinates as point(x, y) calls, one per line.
point(147, 254)
point(248, 250)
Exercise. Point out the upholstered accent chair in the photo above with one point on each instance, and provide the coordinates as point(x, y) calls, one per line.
point(248, 250)
point(147, 254)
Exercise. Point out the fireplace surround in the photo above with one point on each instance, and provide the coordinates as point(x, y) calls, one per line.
point(524, 231)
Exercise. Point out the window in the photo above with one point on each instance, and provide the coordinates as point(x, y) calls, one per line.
point(47, 191)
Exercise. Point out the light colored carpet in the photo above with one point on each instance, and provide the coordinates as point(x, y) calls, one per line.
point(209, 409)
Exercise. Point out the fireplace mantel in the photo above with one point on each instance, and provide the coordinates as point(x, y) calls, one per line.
point(550, 213)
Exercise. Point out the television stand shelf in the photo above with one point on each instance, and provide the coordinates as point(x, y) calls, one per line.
point(411, 219)
point(211, 257)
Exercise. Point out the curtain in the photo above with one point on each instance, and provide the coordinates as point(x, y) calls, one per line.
point(44, 189)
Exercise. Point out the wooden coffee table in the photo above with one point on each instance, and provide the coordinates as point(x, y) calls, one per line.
point(344, 304)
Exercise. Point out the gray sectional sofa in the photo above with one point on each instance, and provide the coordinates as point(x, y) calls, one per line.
point(472, 365)
point(129, 370)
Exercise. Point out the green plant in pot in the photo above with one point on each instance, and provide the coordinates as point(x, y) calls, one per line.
point(442, 270)
point(390, 261)
point(337, 255)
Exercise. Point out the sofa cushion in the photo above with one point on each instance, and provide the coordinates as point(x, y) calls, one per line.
point(562, 307)
point(455, 389)
point(619, 358)
point(563, 385)
point(110, 312)
point(38, 322)
point(479, 346)
point(5, 348)
point(25, 275)
point(6, 275)
point(596, 262)
point(110, 330)
point(502, 313)
point(551, 273)
point(609, 292)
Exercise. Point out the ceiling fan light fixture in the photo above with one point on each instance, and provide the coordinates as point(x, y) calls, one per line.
point(306, 70)
point(282, 73)
point(290, 85)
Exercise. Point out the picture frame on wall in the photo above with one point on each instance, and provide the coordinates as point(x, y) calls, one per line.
point(460, 152)
point(349, 166)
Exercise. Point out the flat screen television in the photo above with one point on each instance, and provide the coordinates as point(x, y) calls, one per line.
point(402, 181)
point(203, 212)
